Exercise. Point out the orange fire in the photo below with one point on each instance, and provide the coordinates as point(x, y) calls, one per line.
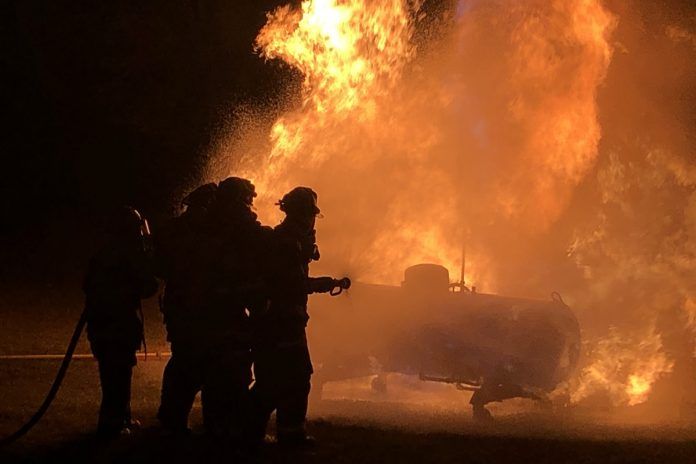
point(480, 139)
point(352, 55)
point(623, 368)
point(376, 133)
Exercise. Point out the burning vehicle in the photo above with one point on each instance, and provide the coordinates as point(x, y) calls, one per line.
point(499, 347)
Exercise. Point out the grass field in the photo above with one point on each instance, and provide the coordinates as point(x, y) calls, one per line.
point(414, 428)
point(413, 422)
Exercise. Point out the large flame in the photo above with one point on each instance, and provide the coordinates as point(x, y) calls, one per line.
point(484, 140)
point(381, 134)
point(351, 54)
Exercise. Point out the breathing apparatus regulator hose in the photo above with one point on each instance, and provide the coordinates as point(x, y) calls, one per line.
point(54, 388)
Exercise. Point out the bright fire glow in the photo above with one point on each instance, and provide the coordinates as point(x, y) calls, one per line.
point(379, 138)
point(483, 142)
point(622, 368)
point(351, 53)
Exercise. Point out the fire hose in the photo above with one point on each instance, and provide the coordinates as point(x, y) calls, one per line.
point(54, 388)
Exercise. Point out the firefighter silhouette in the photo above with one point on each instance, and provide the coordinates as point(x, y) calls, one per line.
point(282, 364)
point(211, 282)
point(118, 277)
point(181, 264)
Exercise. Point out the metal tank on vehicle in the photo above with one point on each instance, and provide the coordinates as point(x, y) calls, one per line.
point(502, 347)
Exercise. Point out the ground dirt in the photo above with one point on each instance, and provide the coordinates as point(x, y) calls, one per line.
point(369, 427)
point(410, 422)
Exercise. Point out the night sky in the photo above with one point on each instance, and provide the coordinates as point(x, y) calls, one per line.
point(113, 102)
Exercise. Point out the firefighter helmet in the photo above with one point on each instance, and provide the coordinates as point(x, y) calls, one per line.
point(235, 189)
point(201, 197)
point(301, 201)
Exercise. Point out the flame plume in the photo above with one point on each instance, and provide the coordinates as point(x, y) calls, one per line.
point(489, 133)
point(351, 55)
point(370, 112)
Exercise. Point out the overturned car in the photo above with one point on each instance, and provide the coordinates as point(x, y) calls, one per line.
point(499, 347)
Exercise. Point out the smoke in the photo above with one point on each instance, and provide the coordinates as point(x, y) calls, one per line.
point(551, 139)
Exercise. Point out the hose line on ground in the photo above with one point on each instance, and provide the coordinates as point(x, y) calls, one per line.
point(54, 388)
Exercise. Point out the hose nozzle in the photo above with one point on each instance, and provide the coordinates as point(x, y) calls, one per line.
point(340, 285)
